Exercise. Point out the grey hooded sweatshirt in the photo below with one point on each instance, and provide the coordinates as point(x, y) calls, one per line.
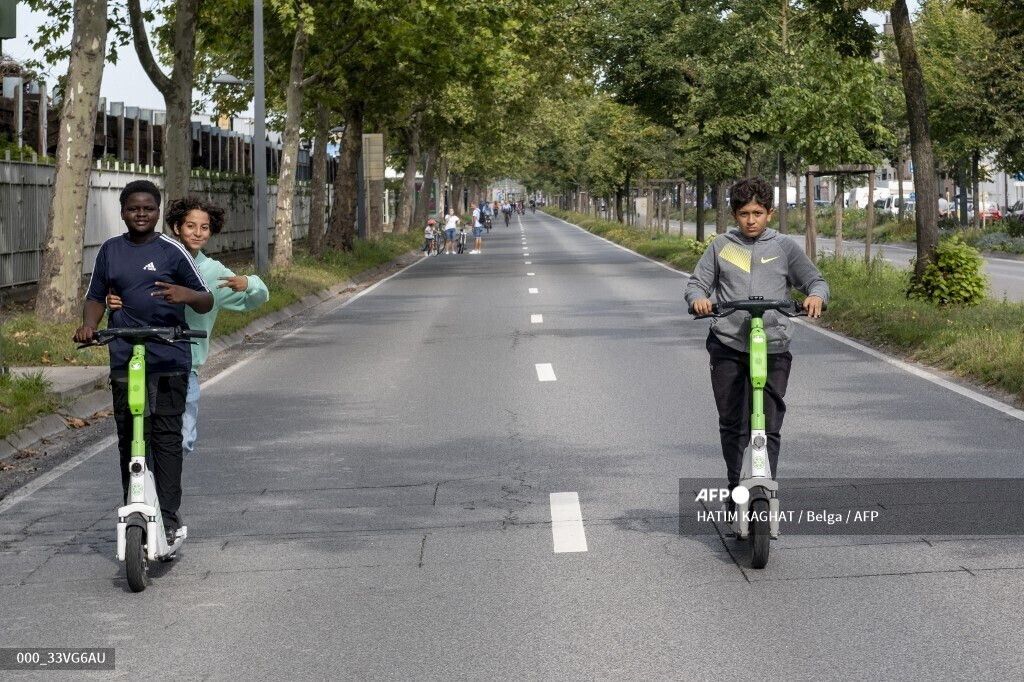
point(736, 267)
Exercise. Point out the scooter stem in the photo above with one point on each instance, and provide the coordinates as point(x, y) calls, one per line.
point(137, 407)
point(758, 371)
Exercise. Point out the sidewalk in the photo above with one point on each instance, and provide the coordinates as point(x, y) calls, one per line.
point(84, 393)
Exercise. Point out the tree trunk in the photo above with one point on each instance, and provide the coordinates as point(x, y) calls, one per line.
point(318, 198)
point(630, 204)
point(618, 204)
point(458, 200)
point(407, 205)
point(701, 182)
point(961, 180)
point(442, 184)
point(925, 185)
point(783, 195)
point(423, 203)
point(976, 187)
point(838, 216)
point(284, 216)
point(60, 270)
point(176, 90)
point(342, 233)
point(721, 207)
point(899, 187)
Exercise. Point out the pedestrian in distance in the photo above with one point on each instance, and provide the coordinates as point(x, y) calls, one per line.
point(428, 236)
point(156, 280)
point(451, 224)
point(751, 260)
point(193, 222)
point(478, 231)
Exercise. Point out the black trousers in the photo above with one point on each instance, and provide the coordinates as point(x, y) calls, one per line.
point(730, 381)
point(162, 424)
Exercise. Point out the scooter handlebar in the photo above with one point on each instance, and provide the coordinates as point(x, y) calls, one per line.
point(167, 335)
point(789, 308)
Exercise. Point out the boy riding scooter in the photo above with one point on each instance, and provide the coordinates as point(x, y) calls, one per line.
point(751, 261)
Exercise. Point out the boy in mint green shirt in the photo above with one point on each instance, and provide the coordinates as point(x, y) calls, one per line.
point(193, 222)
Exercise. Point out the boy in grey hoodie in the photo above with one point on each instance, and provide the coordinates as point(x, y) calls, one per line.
point(751, 260)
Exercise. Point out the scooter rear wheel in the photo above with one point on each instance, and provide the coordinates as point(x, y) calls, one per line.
point(759, 533)
point(135, 559)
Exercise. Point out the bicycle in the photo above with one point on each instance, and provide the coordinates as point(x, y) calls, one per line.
point(141, 537)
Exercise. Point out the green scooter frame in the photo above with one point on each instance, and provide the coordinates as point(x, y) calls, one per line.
point(141, 537)
point(757, 513)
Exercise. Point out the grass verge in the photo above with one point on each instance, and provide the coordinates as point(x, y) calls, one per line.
point(26, 341)
point(22, 399)
point(983, 343)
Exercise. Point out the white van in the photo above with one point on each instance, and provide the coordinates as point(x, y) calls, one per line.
point(891, 205)
point(858, 196)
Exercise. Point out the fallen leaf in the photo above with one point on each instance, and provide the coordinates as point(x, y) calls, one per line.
point(102, 413)
point(76, 423)
point(46, 358)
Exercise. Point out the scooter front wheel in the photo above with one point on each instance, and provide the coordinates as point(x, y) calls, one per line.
point(759, 532)
point(135, 559)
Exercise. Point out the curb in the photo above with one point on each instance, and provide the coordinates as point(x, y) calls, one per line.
point(87, 404)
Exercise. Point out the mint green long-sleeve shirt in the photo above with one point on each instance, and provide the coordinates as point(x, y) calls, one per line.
point(255, 295)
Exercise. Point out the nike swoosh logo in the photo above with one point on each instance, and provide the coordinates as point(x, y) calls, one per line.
point(768, 260)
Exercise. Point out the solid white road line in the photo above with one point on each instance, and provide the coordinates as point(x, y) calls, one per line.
point(26, 491)
point(545, 372)
point(536, 319)
point(567, 532)
point(534, 290)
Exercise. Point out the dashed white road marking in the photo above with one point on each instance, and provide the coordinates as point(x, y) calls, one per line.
point(534, 290)
point(567, 532)
point(545, 372)
point(536, 319)
point(526, 254)
point(530, 274)
point(528, 263)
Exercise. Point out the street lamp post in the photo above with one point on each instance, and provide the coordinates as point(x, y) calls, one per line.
point(259, 200)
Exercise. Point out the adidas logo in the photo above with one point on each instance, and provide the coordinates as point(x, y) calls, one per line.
point(149, 266)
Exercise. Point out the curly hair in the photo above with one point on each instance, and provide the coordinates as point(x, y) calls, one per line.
point(179, 208)
point(139, 187)
point(751, 189)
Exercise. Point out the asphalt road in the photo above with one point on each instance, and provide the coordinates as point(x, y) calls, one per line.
point(371, 499)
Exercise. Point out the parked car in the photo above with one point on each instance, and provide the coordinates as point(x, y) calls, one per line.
point(990, 211)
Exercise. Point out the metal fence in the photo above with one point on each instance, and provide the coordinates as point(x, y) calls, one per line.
point(25, 190)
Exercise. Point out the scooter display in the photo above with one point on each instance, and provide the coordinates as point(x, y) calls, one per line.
point(141, 537)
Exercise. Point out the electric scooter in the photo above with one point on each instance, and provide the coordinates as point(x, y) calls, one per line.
point(141, 537)
point(757, 496)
